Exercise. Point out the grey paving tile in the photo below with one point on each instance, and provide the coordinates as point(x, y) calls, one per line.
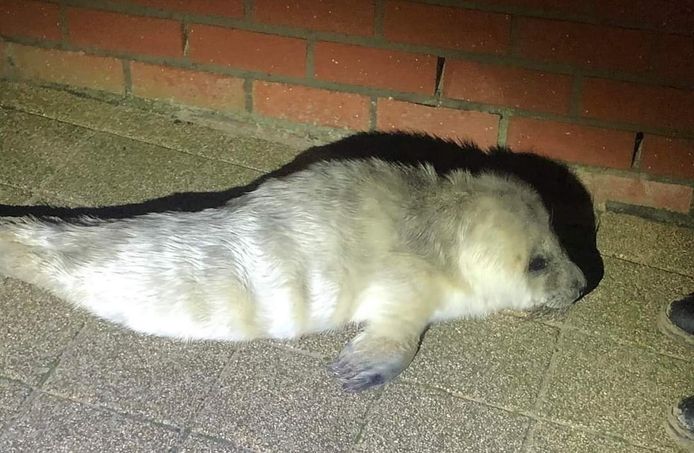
point(499, 360)
point(42, 197)
point(32, 148)
point(56, 425)
point(150, 127)
point(274, 400)
point(647, 242)
point(12, 395)
point(158, 378)
point(109, 169)
point(550, 438)
point(55, 104)
point(627, 304)
point(248, 151)
point(186, 136)
point(12, 195)
point(36, 328)
point(196, 443)
point(412, 418)
point(619, 390)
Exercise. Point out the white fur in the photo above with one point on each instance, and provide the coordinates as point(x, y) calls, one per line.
point(394, 246)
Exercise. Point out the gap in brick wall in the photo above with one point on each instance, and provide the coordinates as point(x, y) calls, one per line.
point(127, 78)
point(185, 31)
point(248, 9)
point(636, 154)
point(440, 66)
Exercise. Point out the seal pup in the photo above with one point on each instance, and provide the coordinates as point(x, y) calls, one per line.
point(395, 247)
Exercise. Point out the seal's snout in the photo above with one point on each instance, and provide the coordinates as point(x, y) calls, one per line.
point(576, 283)
point(580, 289)
point(580, 286)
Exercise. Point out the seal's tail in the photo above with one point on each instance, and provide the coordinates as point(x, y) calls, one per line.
point(28, 250)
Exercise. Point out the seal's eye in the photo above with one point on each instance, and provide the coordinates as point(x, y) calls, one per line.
point(537, 264)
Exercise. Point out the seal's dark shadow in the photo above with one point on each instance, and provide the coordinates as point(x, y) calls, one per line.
point(563, 194)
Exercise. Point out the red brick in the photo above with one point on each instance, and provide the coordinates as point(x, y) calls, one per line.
point(639, 104)
point(638, 191)
point(247, 50)
point(122, 33)
point(67, 68)
point(572, 142)
point(311, 105)
point(199, 89)
point(224, 8)
point(355, 17)
point(668, 156)
point(674, 58)
point(482, 128)
point(507, 86)
point(451, 28)
point(587, 45)
point(30, 19)
point(378, 68)
point(671, 16)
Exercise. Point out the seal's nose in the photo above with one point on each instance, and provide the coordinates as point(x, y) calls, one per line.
point(580, 288)
point(580, 285)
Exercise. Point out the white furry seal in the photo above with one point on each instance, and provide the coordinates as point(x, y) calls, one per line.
point(396, 247)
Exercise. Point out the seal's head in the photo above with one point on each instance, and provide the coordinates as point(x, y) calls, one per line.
point(509, 254)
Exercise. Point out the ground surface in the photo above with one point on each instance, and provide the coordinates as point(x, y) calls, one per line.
point(601, 379)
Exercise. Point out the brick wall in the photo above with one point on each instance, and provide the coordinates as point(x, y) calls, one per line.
point(607, 85)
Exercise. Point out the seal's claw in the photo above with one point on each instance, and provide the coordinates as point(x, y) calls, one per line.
point(363, 381)
point(361, 368)
point(358, 379)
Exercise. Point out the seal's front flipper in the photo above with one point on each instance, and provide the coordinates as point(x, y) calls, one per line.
point(372, 359)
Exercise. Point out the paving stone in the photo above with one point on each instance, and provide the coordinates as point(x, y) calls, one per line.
point(12, 395)
point(647, 242)
point(618, 390)
point(158, 378)
point(56, 425)
point(196, 443)
point(50, 103)
point(109, 169)
point(12, 195)
point(149, 127)
point(550, 438)
point(44, 198)
point(33, 148)
point(36, 328)
point(413, 418)
point(185, 136)
point(627, 303)
point(500, 360)
point(274, 400)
